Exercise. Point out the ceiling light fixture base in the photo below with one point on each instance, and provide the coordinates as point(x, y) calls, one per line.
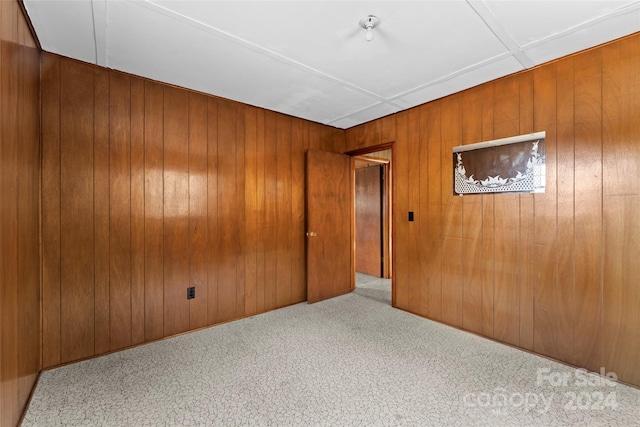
point(369, 23)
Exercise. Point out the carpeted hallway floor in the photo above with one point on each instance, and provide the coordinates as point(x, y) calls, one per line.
point(349, 361)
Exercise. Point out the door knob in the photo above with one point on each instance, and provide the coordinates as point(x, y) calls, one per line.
point(311, 234)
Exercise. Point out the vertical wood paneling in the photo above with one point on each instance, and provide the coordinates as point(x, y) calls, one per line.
point(198, 201)
point(555, 272)
point(566, 253)
point(9, 87)
point(283, 213)
point(76, 206)
point(488, 221)
point(101, 214)
point(526, 260)
point(401, 224)
point(20, 263)
point(151, 189)
point(434, 210)
point(621, 340)
point(506, 116)
point(212, 210)
point(240, 209)
point(299, 144)
point(251, 211)
point(545, 223)
point(50, 210)
point(451, 125)
point(137, 210)
point(269, 239)
point(176, 211)
point(260, 211)
point(472, 222)
point(506, 326)
point(119, 211)
point(423, 218)
point(415, 135)
point(153, 211)
point(227, 211)
point(588, 210)
point(29, 320)
point(368, 220)
point(534, 249)
point(621, 160)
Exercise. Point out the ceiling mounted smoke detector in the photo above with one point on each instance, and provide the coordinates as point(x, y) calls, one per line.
point(369, 23)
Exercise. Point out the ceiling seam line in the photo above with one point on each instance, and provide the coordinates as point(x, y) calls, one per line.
point(499, 31)
point(453, 75)
point(614, 14)
point(149, 4)
point(95, 36)
point(360, 110)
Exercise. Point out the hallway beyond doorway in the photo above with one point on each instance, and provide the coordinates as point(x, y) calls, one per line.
point(375, 288)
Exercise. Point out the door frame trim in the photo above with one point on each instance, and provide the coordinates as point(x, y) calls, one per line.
point(359, 152)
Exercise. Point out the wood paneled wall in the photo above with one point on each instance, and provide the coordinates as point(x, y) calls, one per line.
point(554, 273)
point(19, 212)
point(369, 220)
point(149, 189)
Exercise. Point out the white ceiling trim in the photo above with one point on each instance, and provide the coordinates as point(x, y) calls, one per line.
point(613, 14)
point(318, 70)
point(363, 109)
point(455, 74)
point(99, 11)
point(151, 5)
point(501, 33)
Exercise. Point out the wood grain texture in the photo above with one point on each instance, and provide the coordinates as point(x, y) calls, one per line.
point(174, 189)
point(269, 237)
point(452, 291)
point(299, 145)
point(545, 222)
point(575, 100)
point(434, 211)
point(20, 264)
point(227, 211)
point(119, 211)
point(588, 210)
point(368, 221)
point(621, 201)
point(283, 212)
point(137, 211)
point(9, 174)
point(329, 206)
point(415, 136)
point(212, 210)
point(472, 222)
point(76, 216)
point(251, 211)
point(176, 211)
point(153, 211)
point(553, 268)
point(400, 221)
point(240, 209)
point(50, 210)
point(506, 285)
point(198, 201)
point(566, 212)
point(101, 217)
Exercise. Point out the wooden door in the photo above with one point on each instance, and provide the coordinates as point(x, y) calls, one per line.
point(328, 207)
point(369, 220)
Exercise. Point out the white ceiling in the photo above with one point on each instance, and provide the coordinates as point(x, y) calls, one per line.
point(310, 59)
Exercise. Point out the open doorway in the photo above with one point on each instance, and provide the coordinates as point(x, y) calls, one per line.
point(372, 218)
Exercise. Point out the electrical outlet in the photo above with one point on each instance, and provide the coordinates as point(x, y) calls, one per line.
point(191, 292)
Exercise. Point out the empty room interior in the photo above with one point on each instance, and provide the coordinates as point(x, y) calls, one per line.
point(319, 213)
